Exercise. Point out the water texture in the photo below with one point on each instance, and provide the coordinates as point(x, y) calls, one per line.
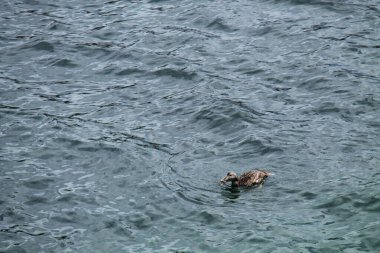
point(118, 118)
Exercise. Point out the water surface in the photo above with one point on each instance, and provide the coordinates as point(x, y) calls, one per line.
point(118, 118)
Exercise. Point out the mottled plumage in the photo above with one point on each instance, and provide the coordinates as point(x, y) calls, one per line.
point(249, 178)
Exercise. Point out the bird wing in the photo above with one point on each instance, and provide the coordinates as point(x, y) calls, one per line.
point(252, 177)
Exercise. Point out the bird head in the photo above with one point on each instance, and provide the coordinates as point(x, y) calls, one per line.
point(231, 176)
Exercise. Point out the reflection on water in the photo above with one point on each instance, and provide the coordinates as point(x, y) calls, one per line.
point(231, 193)
point(117, 120)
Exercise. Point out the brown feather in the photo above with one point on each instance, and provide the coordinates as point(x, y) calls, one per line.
point(252, 177)
point(246, 179)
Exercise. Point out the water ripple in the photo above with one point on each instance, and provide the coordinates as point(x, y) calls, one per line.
point(118, 119)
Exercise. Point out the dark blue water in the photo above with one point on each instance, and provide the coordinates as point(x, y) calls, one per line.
point(118, 118)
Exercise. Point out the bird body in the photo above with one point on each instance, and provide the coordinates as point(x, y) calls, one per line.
point(250, 178)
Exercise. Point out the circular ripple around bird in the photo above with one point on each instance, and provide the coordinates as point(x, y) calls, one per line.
point(179, 176)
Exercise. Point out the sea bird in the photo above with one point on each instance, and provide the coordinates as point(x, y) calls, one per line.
point(250, 178)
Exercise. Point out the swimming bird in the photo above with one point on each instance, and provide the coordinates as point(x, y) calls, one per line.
point(250, 178)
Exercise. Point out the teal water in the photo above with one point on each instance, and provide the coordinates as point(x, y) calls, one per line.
point(118, 118)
